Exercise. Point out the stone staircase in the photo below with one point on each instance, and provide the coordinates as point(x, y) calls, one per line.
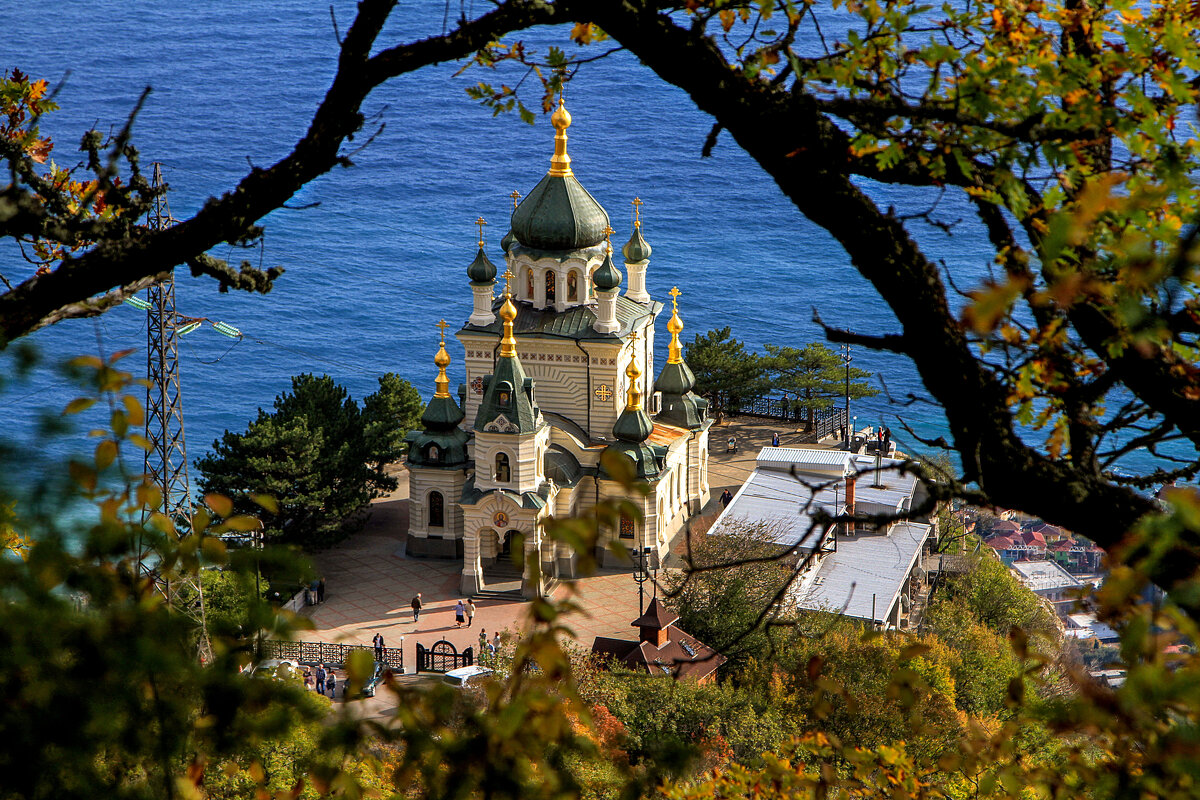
point(502, 581)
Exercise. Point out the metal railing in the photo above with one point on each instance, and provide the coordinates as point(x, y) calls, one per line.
point(329, 652)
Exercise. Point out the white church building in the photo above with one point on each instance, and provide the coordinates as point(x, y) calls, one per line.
point(558, 368)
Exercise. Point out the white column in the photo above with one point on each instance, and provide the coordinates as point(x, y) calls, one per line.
point(472, 574)
point(636, 271)
point(539, 287)
point(606, 312)
point(482, 313)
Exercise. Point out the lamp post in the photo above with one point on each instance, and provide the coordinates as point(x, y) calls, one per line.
point(847, 358)
point(641, 574)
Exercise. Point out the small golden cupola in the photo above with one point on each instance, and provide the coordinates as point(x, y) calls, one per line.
point(559, 215)
point(680, 405)
point(508, 313)
point(439, 442)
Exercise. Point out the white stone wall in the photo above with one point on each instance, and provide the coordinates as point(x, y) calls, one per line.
point(524, 451)
point(422, 481)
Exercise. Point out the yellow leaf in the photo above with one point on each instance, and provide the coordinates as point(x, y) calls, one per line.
point(219, 503)
point(266, 501)
point(83, 475)
point(106, 453)
point(134, 409)
point(79, 404)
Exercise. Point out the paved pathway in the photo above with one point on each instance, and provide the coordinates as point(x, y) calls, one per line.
point(370, 582)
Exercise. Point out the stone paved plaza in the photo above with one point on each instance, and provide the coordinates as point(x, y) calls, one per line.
point(370, 582)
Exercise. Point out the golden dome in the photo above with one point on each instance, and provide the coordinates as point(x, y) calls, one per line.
point(508, 313)
point(560, 163)
point(442, 359)
point(675, 326)
point(633, 399)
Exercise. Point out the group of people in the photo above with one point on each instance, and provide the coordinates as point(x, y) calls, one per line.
point(464, 609)
point(488, 647)
point(464, 612)
point(314, 593)
point(323, 681)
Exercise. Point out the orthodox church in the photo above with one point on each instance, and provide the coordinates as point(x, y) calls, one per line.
point(557, 374)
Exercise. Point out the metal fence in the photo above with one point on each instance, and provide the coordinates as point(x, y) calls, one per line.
point(826, 421)
point(443, 657)
point(328, 652)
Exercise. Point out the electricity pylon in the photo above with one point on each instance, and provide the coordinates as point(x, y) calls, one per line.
point(166, 460)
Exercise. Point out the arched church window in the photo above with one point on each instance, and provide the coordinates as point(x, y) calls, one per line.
point(627, 528)
point(434, 453)
point(437, 510)
point(529, 285)
point(551, 281)
point(573, 286)
point(502, 470)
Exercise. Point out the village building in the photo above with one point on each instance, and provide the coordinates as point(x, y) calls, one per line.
point(872, 571)
point(662, 648)
point(558, 374)
point(1051, 582)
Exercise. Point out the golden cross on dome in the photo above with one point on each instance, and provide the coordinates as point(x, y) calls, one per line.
point(637, 211)
point(479, 223)
point(443, 326)
point(508, 276)
point(675, 297)
point(515, 197)
point(608, 232)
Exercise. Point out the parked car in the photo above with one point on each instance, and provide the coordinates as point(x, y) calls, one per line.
point(280, 668)
point(466, 676)
point(373, 681)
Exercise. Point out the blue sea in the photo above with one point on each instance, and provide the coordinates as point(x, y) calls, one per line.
point(376, 253)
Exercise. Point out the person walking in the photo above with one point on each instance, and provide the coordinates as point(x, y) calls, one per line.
point(470, 611)
point(378, 640)
point(321, 590)
point(775, 439)
point(482, 641)
point(726, 498)
point(320, 687)
point(308, 679)
point(331, 684)
point(496, 643)
point(416, 607)
point(460, 613)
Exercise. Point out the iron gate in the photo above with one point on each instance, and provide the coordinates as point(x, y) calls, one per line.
point(443, 657)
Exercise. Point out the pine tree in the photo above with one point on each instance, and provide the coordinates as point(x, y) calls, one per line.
point(816, 376)
point(725, 372)
point(318, 453)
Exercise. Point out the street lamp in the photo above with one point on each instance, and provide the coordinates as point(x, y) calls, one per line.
point(847, 358)
point(641, 574)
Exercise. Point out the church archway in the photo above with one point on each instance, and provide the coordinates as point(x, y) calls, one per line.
point(551, 286)
point(573, 286)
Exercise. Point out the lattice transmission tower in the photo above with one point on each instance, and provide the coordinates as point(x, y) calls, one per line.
point(166, 460)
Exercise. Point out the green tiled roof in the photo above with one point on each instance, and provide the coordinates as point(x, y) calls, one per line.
point(509, 394)
point(482, 270)
point(645, 464)
point(451, 448)
point(636, 248)
point(633, 426)
point(574, 323)
point(559, 214)
point(607, 276)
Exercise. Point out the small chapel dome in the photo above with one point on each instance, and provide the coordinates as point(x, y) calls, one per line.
point(607, 276)
point(507, 241)
point(482, 270)
point(636, 249)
